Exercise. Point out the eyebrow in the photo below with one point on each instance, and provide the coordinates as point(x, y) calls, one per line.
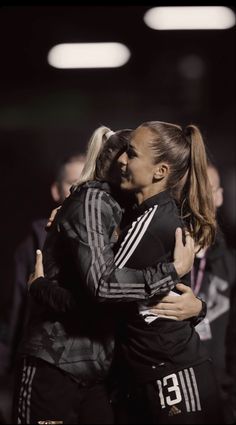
point(132, 147)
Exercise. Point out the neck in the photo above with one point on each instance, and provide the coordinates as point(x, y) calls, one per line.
point(147, 192)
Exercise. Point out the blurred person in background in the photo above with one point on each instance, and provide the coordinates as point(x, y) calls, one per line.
point(231, 352)
point(67, 173)
point(213, 277)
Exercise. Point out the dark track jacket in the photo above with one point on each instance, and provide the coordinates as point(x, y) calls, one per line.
point(79, 258)
point(231, 350)
point(153, 347)
point(24, 263)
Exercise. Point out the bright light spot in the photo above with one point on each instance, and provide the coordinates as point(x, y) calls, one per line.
point(190, 18)
point(88, 55)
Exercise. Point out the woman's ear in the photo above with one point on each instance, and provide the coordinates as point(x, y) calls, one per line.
point(161, 171)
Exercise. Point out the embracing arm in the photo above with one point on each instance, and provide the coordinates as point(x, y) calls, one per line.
point(51, 295)
point(185, 306)
point(61, 300)
point(88, 231)
point(91, 247)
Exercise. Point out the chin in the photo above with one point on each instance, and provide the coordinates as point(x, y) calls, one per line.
point(124, 184)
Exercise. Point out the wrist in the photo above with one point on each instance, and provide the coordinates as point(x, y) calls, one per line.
point(179, 268)
point(202, 314)
point(199, 307)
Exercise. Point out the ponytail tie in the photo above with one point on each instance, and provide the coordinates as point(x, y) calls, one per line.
point(109, 134)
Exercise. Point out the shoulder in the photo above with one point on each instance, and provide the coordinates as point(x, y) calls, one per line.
point(103, 204)
point(92, 198)
point(168, 215)
point(164, 224)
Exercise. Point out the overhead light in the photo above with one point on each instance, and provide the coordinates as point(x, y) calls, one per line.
point(190, 18)
point(88, 55)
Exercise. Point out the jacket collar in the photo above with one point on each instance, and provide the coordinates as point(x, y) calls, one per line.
point(158, 199)
point(102, 185)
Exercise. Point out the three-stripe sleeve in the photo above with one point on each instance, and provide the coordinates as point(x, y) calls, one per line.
point(96, 263)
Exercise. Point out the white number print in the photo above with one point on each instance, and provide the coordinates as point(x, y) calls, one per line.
point(173, 395)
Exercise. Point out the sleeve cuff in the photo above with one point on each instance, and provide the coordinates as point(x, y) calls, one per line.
point(37, 282)
point(196, 320)
point(169, 268)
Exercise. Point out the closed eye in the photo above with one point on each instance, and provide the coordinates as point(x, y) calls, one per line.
point(131, 152)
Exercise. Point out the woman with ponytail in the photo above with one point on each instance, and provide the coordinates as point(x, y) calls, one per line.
point(168, 375)
point(67, 349)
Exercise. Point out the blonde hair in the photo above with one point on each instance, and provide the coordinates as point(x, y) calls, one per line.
point(95, 146)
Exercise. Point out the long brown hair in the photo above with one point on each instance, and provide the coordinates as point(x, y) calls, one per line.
point(184, 151)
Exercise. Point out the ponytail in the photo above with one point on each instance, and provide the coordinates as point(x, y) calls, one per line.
point(184, 152)
point(95, 146)
point(199, 209)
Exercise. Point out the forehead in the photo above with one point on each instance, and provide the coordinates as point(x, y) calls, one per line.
point(141, 137)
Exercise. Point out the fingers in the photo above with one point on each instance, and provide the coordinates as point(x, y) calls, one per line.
point(39, 256)
point(38, 268)
point(178, 237)
point(163, 307)
point(165, 313)
point(189, 241)
point(183, 288)
point(168, 299)
point(174, 299)
point(52, 217)
point(39, 264)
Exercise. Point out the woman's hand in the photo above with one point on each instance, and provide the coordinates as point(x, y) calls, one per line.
point(52, 217)
point(180, 307)
point(183, 253)
point(38, 268)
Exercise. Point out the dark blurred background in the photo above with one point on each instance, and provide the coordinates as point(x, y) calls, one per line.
point(46, 113)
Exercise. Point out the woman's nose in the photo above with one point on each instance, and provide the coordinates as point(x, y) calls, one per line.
point(123, 159)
